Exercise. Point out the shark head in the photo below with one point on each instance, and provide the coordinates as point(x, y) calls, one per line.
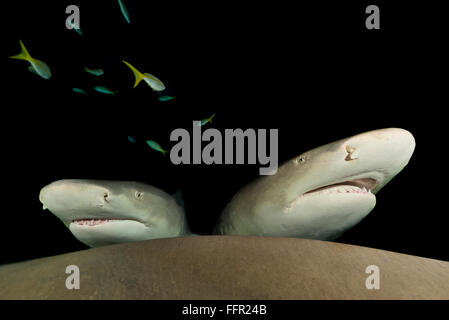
point(106, 212)
point(323, 192)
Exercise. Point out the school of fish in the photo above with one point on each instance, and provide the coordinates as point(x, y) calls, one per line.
point(41, 69)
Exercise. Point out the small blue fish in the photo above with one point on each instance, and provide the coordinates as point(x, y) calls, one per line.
point(166, 98)
point(39, 67)
point(154, 145)
point(105, 90)
point(79, 90)
point(95, 72)
point(124, 11)
point(132, 139)
point(204, 121)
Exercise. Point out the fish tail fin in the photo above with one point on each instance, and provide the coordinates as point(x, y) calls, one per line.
point(86, 69)
point(164, 152)
point(139, 76)
point(124, 11)
point(210, 119)
point(23, 55)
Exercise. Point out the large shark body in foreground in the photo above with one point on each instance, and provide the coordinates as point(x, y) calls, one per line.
point(321, 193)
point(317, 195)
point(221, 267)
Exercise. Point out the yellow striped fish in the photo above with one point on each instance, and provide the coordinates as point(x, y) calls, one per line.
point(151, 80)
point(39, 67)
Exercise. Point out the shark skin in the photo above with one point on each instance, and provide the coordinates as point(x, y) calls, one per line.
point(101, 212)
point(230, 268)
point(321, 193)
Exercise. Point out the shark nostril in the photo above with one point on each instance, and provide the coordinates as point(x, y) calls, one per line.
point(352, 154)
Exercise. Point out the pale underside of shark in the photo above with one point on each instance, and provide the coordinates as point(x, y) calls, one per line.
point(318, 195)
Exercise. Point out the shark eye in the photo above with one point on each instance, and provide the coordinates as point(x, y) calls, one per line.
point(105, 196)
point(301, 159)
point(139, 195)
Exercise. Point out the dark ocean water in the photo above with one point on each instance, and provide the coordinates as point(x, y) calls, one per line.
point(312, 71)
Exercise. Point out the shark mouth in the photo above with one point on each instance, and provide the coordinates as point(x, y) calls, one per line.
point(364, 185)
point(96, 222)
point(356, 186)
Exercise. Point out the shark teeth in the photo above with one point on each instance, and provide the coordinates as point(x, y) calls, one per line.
point(91, 222)
point(341, 189)
point(44, 207)
point(349, 189)
point(331, 190)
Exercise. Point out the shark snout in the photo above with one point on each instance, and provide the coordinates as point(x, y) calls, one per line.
point(45, 196)
point(385, 151)
point(69, 199)
point(387, 142)
point(41, 197)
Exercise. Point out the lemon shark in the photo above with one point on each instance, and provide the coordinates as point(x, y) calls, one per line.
point(320, 193)
point(101, 212)
point(317, 195)
point(228, 268)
